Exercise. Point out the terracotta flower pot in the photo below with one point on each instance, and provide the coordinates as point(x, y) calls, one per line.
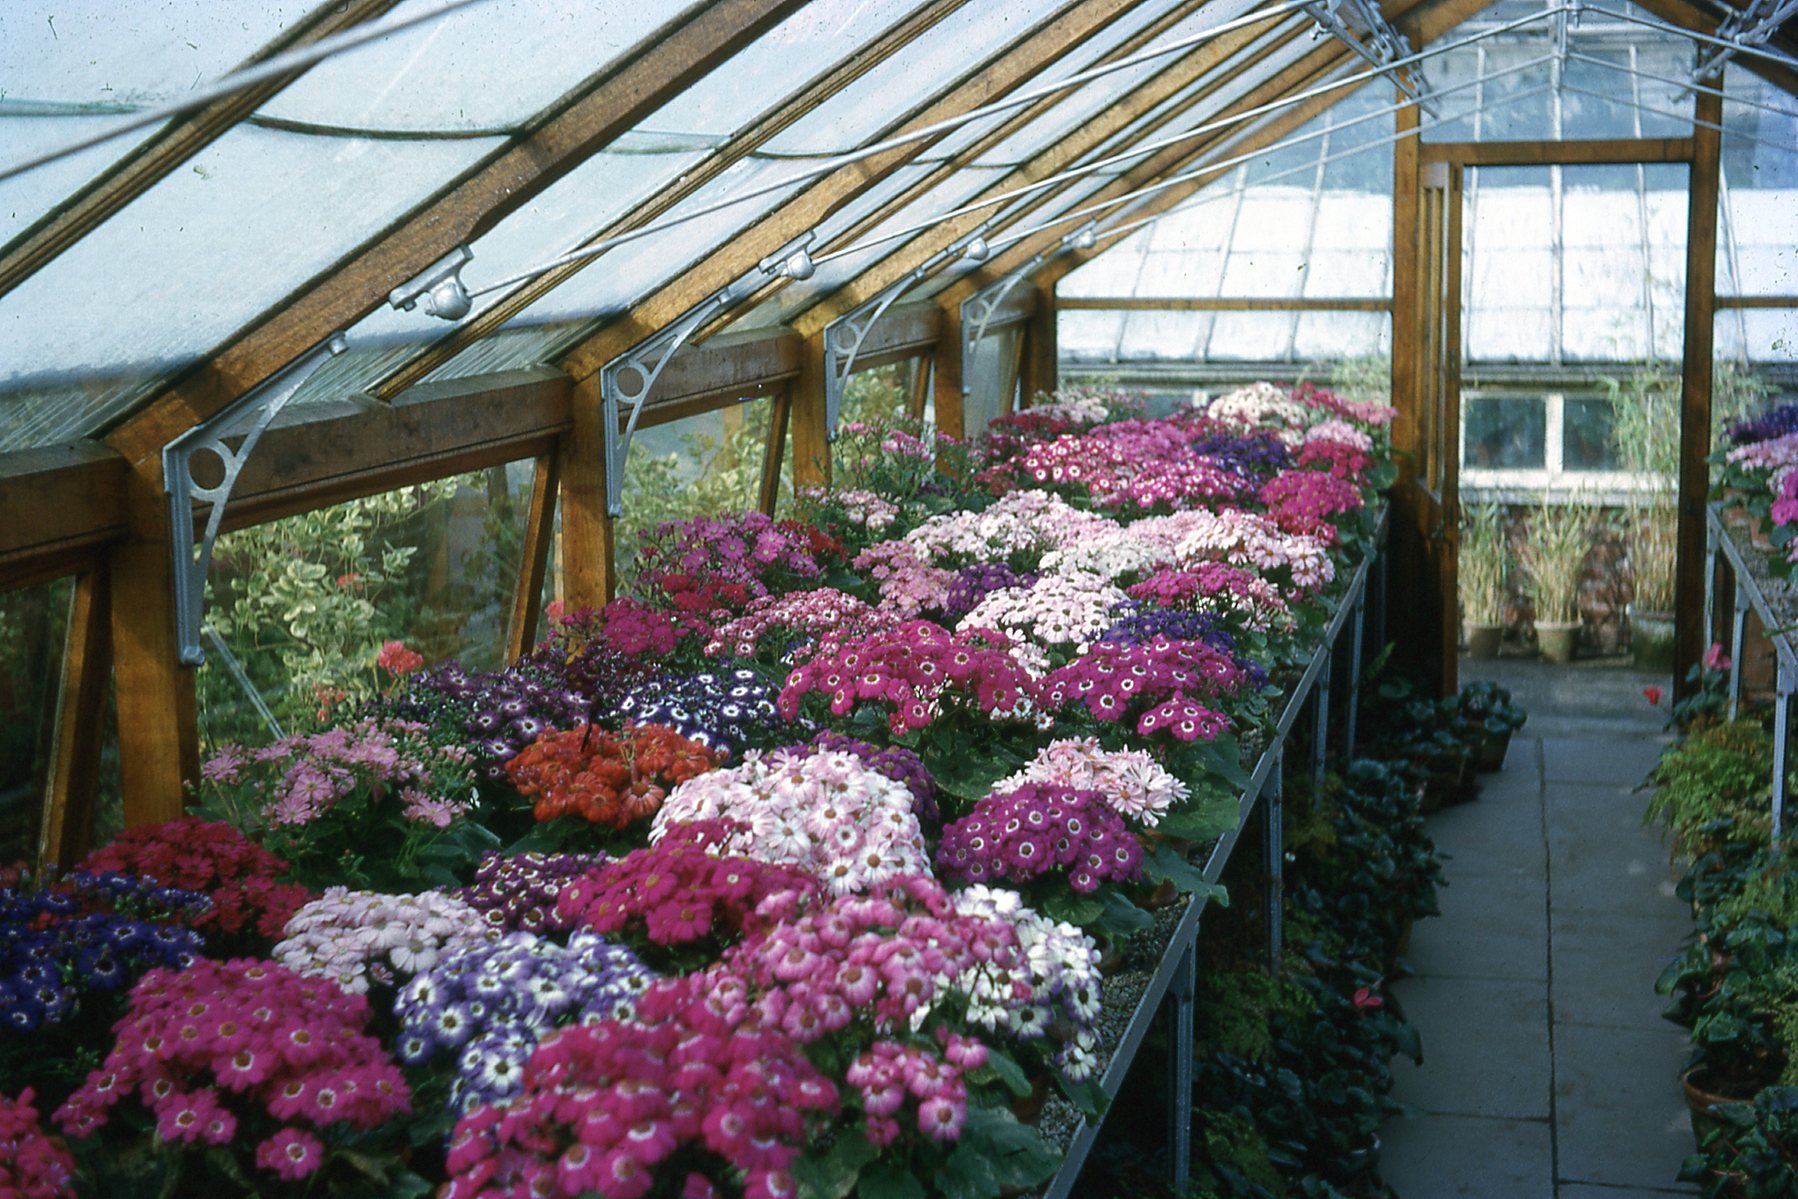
point(1483, 640)
point(1700, 1100)
point(1556, 640)
point(1651, 641)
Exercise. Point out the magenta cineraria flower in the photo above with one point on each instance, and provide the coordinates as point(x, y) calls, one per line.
point(1128, 682)
point(1036, 830)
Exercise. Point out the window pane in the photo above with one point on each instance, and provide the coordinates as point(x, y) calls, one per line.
point(33, 625)
point(302, 605)
point(1586, 435)
point(1504, 433)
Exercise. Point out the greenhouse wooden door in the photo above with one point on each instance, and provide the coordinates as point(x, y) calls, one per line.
point(1427, 388)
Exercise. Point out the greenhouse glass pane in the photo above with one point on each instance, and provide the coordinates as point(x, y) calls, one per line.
point(1758, 247)
point(1354, 221)
point(1251, 337)
point(991, 380)
point(71, 69)
point(1163, 336)
point(1453, 73)
point(1335, 336)
point(1264, 273)
point(948, 49)
point(700, 465)
point(188, 263)
point(1504, 433)
point(33, 629)
point(1586, 435)
point(1597, 99)
point(1085, 336)
point(305, 603)
point(1510, 334)
point(1513, 107)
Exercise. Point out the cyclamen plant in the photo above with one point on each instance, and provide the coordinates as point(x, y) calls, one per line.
point(518, 892)
point(359, 939)
point(600, 1108)
point(489, 1004)
point(1036, 830)
point(610, 779)
point(241, 1053)
point(824, 812)
point(211, 857)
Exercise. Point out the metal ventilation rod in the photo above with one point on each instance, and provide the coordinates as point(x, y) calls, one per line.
point(1220, 165)
point(273, 68)
point(946, 125)
point(1734, 134)
point(1752, 26)
point(1735, 45)
point(1388, 43)
point(1151, 147)
point(1746, 102)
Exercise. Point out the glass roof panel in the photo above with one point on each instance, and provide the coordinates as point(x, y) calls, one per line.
point(950, 48)
point(1758, 242)
point(72, 68)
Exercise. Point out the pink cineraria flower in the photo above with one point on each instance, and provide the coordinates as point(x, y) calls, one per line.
point(1131, 781)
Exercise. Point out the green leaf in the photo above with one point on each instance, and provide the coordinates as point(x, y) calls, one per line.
point(833, 1175)
point(1119, 916)
point(969, 1172)
point(1165, 865)
point(889, 1182)
point(1008, 1071)
point(1076, 909)
point(1214, 814)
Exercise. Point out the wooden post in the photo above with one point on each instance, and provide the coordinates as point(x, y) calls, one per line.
point(809, 429)
point(946, 379)
point(1408, 547)
point(919, 394)
point(588, 562)
point(1041, 351)
point(779, 421)
point(159, 749)
point(73, 783)
point(1695, 389)
point(533, 559)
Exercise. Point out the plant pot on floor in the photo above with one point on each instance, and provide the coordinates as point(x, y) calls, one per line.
point(1489, 751)
point(1483, 640)
point(1556, 639)
point(1651, 641)
point(1700, 1099)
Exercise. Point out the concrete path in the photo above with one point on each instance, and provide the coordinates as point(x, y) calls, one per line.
point(1548, 1071)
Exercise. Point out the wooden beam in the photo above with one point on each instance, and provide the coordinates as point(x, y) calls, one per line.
point(757, 134)
point(1041, 367)
point(775, 453)
point(1695, 387)
point(734, 365)
point(533, 559)
point(1224, 304)
point(1688, 15)
point(945, 376)
point(1089, 138)
point(809, 430)
point(588, 566)
point(73, 785)
point(555, 141)
point(58, 500)
point(1572, 152)
point(159, 748)
point(1757, 302)
point(164, 151)
point(1008, 70)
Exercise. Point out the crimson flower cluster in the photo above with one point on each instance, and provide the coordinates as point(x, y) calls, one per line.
point(678, 890)
point(601, 1106)
point(917, 669)
point(713, 563)
point(32, 1166)
point(1336, 458)
point(518, 892)
point(1303, 501)
point(1118, 682)
point(613, 779)
point(219, 1043)
point(1039, 829)
point(213, 858)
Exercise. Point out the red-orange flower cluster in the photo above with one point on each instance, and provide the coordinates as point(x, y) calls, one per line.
point(607, 778)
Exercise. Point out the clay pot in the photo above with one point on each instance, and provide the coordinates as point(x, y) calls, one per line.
point(1483, 641)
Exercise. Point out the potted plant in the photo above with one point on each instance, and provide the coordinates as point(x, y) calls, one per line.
point(1492, 718)
point(1484, 569)
point(1554, 555)
point(1654, 532)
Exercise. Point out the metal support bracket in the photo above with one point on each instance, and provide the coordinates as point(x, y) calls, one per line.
point(978, 310)
point(438, 287)
point(1180, 993)
point(1748, 28)
point(1787, 682)
point(629, 378)
point(1273, 850)
point(845, 336)
point(259, 407)
point(1383, 45)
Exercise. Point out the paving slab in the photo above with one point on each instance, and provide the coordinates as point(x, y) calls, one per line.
point(1604, 969)
point(1588, 1190)
point(1467, 941)
point(1485, 1047)
point(1612, 761)
point(1485, 834)
point(1619, 1116)
point(1426, 1157)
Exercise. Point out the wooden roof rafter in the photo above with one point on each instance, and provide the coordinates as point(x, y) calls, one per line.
point(703, 36)
point(1011, 69)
